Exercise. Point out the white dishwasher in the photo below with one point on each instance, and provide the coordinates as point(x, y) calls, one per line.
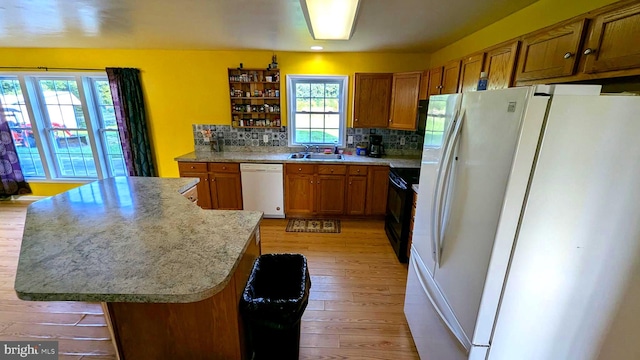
point(263, 189)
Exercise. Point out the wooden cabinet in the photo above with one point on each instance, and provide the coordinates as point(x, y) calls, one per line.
point(192, 194)
point(435, 81)
point(299, 189)
point(330, 191)
point(404, 100)
point(356, 190)
point(255, 97)
point(371, 100)
point(614, 41)
point(551, 53)
point(444, 79)
point(220, 185)
point(450, 76)
point(377, 190)
point(470, 72)
point(424, 86)
point(500, 64)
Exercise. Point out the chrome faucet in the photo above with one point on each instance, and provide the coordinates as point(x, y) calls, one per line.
point(307, 148)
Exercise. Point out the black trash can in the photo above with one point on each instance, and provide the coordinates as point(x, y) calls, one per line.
point(272, 304)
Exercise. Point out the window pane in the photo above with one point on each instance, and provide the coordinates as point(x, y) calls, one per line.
point(302, 135)
point(332, 121)
point(317, 90)
point(317, 121)
point(68, 138)
point(303, 90)
point(331, 135)
point(303, 121)
point(317, 135)
point(332, 90)
point(303, 104)
point(332, 105)
point(109, 128)
point(15, 111)
point(317, 105)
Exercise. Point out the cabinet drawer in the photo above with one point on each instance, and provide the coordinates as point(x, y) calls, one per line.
point(192, 167)
point(357, 170)
point(300, 169)
point(332, 169)
point(224, 167)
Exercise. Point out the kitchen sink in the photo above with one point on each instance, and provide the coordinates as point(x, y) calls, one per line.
point(315, 156)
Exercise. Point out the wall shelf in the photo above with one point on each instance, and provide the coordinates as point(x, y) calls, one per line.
point(264, 94)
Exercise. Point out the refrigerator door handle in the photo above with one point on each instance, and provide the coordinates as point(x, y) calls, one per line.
point(446, 182)
point(435, 253)
point(441, 180)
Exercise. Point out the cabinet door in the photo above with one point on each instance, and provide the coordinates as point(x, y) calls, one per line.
point(330, 190)
point(226, 191)
point(424, 86)
point(435, 81)
point(356, 195)
point(299, 194)
point(404, 100)
point(377, 190)
point(500, 66)
point(470, 72)
point(551, 53)
point(372, 97)
point(450, 76)
point(614, 42)
point(204, 192)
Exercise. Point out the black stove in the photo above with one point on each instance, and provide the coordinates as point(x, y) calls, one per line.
point(399, 201)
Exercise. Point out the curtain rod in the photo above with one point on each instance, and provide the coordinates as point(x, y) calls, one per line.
point(44, 68)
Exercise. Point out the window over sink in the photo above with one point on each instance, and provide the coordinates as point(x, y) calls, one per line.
point(317, 108)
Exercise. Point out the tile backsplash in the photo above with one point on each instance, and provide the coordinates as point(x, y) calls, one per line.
point(252, 138)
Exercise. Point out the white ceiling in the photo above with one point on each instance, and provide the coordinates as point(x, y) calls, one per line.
point(382, 25)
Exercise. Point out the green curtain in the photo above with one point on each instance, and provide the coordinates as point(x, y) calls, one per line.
point(128, 101)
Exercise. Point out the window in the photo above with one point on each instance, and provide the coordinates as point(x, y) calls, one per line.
point(316, 109)
point(434, 128)
point(63, 126)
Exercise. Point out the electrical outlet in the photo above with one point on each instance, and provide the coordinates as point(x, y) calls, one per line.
point(350, 139)
point(402, 140)
point(265, 138)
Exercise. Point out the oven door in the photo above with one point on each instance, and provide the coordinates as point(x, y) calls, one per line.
point(396, 216)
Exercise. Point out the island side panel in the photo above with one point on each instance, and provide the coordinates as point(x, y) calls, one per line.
point(211, 328)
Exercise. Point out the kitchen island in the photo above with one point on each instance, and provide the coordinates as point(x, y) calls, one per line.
point(169, 273)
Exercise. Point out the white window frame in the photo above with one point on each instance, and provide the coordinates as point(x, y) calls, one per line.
point(291, 104)
point(37, 112)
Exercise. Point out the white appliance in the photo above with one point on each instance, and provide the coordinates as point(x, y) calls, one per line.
point(526, 242)
point(263, 189)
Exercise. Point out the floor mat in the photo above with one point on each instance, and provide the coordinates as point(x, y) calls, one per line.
point(314, 225)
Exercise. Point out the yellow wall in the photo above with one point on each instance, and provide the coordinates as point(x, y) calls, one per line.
point(536, 16)
point(191, 87)
point(51, 188)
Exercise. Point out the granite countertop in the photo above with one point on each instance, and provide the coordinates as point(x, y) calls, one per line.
point(129, 239)
point(279, 157)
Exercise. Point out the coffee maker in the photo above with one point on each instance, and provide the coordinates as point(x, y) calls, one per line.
point(376, 149)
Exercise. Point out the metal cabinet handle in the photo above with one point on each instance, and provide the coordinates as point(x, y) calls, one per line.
point(390, 120)
point(193, 167)
point(567, 55)
point(331, 170)
point(356, 120)
point(311, 181)
point(588, 51)
point(224, 168)
point(358, 170)
point(299, 169)
point(349, 182)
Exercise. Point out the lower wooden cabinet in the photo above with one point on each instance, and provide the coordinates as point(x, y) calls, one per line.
point(220, 185)
point(330, 191)
point(357, 190)
point(377, 190)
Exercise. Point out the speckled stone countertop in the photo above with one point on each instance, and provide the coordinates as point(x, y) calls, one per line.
point(261, 157)
point(128, 239)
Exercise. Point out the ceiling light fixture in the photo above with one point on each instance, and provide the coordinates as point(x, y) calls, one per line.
point(330, 19)
point(316, 47)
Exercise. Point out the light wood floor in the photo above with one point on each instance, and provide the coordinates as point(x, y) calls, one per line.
point(354, 312)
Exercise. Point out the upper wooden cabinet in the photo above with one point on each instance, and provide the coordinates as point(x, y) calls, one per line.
point(551, 53)
point(444, 79)
point(371, 96)
point(404, 100)
point(424, 86)
point(614, 41)
point(435, 81)
point(450, 76)
point(499, 65)
point(470, 72)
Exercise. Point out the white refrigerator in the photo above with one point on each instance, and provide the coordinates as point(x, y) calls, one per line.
point(526, 241)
